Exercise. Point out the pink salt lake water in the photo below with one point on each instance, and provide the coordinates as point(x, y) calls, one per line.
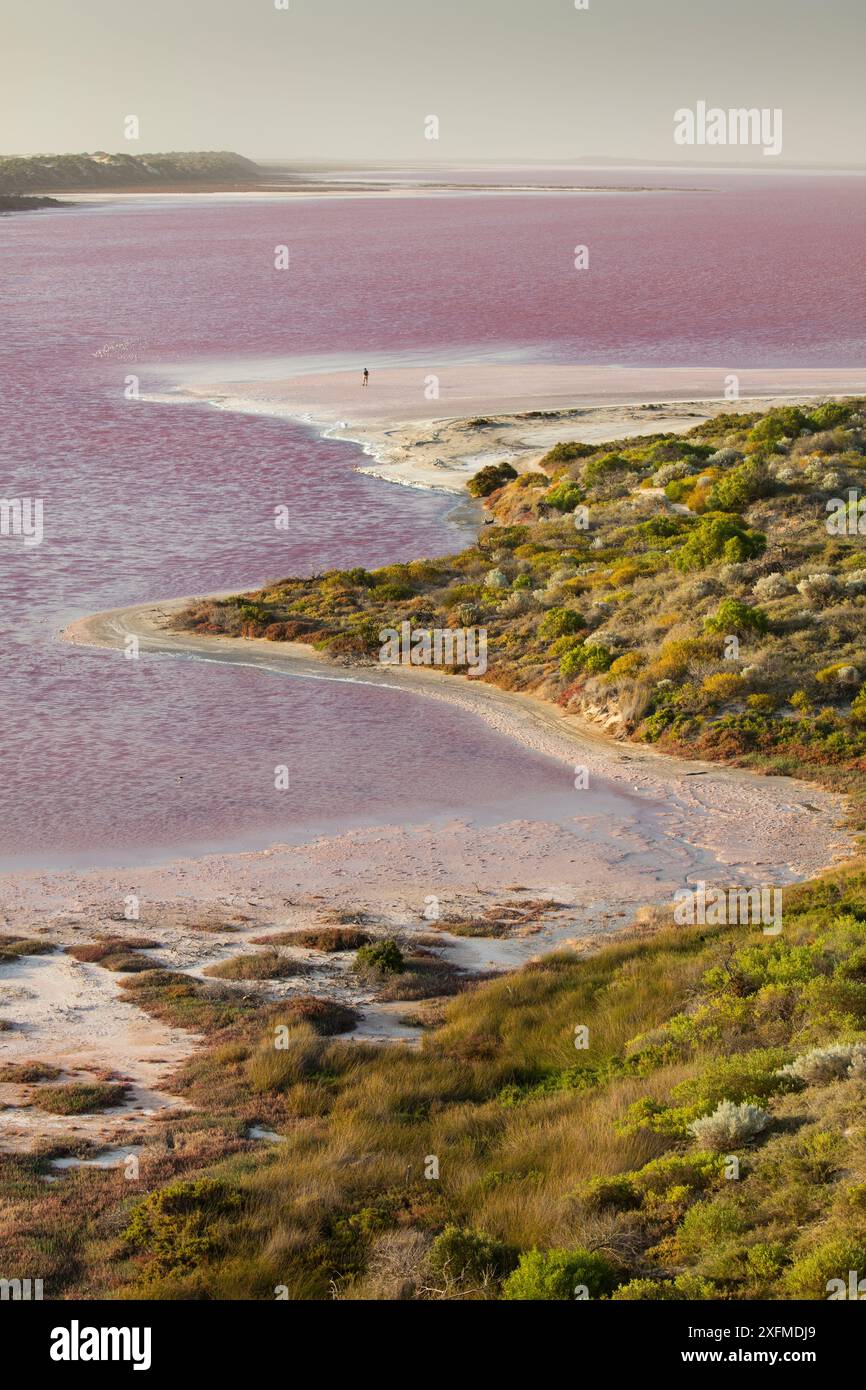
point(147, 500)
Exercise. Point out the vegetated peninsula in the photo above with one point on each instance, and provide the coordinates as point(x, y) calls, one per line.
point(57, 172)
point(704, 592)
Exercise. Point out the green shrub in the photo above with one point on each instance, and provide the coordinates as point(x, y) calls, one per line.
point(766, 1260)
point(542, 1276)
point(858, 707)
point(657, 1290)
point(736, 489)
point(393, 592)
point(708, 1225)
point(175, 1225)
point(718, 538)
point(607, 466)
point(469, 1256)
point(560, 622)
point(381, 958)
point(565, 644)
point(685, 1287)
point(829, 415)
point(565, 496)
point(810, 1275)
point(491, 479)
point(678, 488)
point(762, 703)
point(596, 658)
point(592, 659)
point(786, 422)
point(734, 616)
point(696, 1172)
point(753, 1075)
point(617, 1192)
point(566, 452)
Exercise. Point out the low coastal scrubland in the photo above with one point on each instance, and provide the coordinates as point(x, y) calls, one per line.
point(679, 1115)
point(709, 1143)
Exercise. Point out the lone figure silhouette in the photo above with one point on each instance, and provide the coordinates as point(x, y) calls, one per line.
point(366, 377)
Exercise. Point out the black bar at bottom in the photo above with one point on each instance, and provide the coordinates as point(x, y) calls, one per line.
point(64, 1339)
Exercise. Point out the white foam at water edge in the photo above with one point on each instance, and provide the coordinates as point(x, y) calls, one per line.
point(384, 474)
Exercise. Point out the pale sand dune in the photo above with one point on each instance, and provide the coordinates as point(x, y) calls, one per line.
point(436, 443)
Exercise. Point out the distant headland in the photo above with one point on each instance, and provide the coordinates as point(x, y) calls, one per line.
point(50, 173)
point(20, 202)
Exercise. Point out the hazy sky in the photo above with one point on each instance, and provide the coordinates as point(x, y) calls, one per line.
point(355, 79)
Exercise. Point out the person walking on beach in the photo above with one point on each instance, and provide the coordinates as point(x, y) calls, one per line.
point(366, 377)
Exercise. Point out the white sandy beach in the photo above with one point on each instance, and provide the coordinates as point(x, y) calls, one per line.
point(484, 412)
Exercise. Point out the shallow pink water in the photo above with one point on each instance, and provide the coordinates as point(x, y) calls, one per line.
point(147, 500)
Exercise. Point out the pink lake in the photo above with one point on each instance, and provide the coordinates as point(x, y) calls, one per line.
point(147, 500)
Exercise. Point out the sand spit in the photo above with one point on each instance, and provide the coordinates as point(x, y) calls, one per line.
point(485, 413)
point(750, 826)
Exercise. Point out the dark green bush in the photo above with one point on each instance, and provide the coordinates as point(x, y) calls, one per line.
point(470, 1256)
point(719, 537)
point(564, 497)
point(175, 1225)
point(382, 957)
point(491, 479)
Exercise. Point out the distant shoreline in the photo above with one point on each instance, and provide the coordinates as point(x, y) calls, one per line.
point(197, 172)
point(339, 189)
